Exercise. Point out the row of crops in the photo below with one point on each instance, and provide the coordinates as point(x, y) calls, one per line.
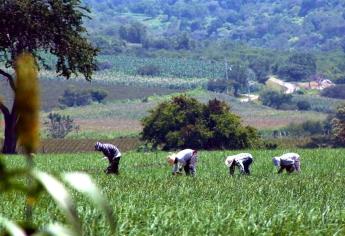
point(168, 66)
point(147, 200)
point(83, 145)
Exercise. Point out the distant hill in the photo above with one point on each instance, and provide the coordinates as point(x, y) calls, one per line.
point(298, 24)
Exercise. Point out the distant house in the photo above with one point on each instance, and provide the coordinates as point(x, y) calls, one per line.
point(317, 84)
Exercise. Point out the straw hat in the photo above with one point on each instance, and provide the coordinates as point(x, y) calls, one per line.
point(171, 158)
point(229, 160)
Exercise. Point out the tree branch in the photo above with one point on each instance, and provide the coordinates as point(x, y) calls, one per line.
point(4, 110)
point(9, 79)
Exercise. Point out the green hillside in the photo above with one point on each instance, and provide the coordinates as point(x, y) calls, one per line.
point(302, 24)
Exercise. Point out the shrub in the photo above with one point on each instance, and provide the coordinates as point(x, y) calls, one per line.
point(337, 91)
point(59, 126)
point(149, 70)
point(274, 99)
point(98, 95)
point(217, 86)
point(303, 105)
point(184, 122)
point(74, 97)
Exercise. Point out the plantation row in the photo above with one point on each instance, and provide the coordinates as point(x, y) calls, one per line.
point(167, 67)
point(147, 200)
point(83, 145)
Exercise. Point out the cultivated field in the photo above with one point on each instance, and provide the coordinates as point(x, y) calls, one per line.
point(147, 200)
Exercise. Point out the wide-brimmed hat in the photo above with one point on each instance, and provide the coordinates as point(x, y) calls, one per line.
point(229, 160)
point(171, 158)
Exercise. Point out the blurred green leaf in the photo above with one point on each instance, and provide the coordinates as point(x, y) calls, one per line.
point(11, 227)
point(84, 184)
point(61, 196)
point(58, 230)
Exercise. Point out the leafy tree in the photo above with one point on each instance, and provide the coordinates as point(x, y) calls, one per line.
point(274, 98)
point(219, 86)
point(184, 122)
point(98, 95)
point(238, 76)
point(53, 27)
point(338, 125)
point(133, 33)
point(59, 126)
point(298, 67)
point(337, 91)
point(303, 105)
point(261, 67)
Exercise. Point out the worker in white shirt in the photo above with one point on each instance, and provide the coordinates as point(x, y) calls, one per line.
point(242, 161)
point(289, 161)
point(186, 158)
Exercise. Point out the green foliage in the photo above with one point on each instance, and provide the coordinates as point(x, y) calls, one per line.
point(56, 28)
point(274, 98)
point(238, 76)
point(81, 97)
point(298, 67)
point(303, 105)
point(98, 95)
point(184, 122)
point(337, 91)
point(147, 200)
point(271, 24)
point(149, 70)
point(133, 33)
point(59, 126)
point(338, 125)
point(219, 85)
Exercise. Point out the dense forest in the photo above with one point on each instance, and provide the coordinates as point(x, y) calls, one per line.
point(183, 24)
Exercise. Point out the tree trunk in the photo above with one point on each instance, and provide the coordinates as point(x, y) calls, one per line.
point(10, 141)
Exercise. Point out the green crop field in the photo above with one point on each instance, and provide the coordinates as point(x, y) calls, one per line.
point(148, 200)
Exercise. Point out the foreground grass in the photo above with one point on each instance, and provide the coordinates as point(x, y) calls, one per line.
point(147, 200)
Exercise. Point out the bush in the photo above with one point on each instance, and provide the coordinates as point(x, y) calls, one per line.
point(337, 91)
point(74, 97)
point(149, 70)
point(59, 126)
point(98, 95)
point(298, 67)
point(184, 122)
point(219, 86)
point(274, 99)
point(303, 105)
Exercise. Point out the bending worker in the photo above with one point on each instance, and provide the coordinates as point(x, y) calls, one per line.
point(113, 154)
point(289, 161)
point(242, 161)
point(185, 159)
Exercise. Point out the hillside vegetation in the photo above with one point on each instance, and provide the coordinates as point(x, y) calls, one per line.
point(307, 24)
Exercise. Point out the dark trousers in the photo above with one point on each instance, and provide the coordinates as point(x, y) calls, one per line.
point(288, 168)
point(113, 168)
point(246, 165)
point(188, 169)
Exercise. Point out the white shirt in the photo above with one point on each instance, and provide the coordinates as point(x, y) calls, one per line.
point(286, 159)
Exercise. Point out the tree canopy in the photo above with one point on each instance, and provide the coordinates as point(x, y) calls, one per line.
point(42, 27)
point(183, 122)
point(54, 27)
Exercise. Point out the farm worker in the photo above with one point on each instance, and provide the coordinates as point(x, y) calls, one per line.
point(242, 161)
point(289, 161)
point(112, 154)
point(185, 159)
